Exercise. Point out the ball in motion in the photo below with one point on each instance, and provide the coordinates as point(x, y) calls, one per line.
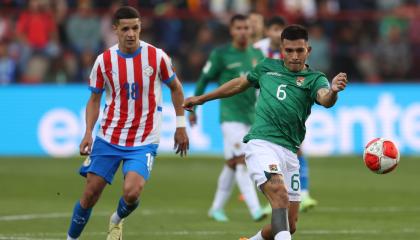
point(381, 155)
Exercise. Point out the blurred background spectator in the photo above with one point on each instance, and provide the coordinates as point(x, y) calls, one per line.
point(46, 41)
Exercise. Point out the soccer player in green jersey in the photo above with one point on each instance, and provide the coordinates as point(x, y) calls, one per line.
point(288, 89)
point(271, 48)
point(237, 113)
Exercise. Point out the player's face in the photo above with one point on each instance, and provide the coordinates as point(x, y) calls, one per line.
point(295, 53)
point(128, 32)
point(256, 23)
point(240, 31)
point(274, 33)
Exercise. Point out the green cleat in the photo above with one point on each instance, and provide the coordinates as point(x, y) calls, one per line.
point(267, 209)
point(259, 215)
point(307, 203)
point(218, 215)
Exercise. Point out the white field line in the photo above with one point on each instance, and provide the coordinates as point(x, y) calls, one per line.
point(6, 237)
point(320, 232)
point(148, 212)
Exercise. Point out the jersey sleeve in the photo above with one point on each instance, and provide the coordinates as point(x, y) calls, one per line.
point(320, 82)
point(96, 77)
point(210, 71)
point(166, 70)
point(213, 66)
point(254, 76)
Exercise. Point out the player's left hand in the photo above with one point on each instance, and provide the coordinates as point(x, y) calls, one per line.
point(339, 82)
point(181, 144)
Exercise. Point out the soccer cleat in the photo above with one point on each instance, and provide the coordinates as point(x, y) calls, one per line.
point(259, 215)
point(218, 215)
point(307, 203)
point(267, 209)
point(243, 238)
point(115, 231)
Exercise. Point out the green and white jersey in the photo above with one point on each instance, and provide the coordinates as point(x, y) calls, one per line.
point(224, 64)
point(284, 102)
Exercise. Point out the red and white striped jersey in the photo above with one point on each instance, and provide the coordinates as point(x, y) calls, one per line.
point(264, 46)
point(132, 114)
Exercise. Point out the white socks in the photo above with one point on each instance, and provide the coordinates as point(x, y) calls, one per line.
point(115, 219)
point(247, 188)
point(224, 188)
point(257, 236)
point(283, 235)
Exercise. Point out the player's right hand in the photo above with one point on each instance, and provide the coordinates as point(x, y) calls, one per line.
point(85, 146)
point(190, 102)
point(192, 118)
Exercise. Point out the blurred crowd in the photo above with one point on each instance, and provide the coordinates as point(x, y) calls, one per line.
point(56, 41)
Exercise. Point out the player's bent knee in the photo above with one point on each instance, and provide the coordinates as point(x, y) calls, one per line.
point(240, 159)
point(132, 193)
point(231, 163)
point(131, 196)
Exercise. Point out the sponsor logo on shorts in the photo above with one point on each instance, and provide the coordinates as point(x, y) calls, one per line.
point(273, 167)
point(86, 162)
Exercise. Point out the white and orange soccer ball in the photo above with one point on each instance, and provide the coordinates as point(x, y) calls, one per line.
point(381, 155)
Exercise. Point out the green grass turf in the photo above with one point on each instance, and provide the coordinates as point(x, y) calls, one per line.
point(37, 196)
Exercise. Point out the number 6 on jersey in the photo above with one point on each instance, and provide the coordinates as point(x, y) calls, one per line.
point(281, 92)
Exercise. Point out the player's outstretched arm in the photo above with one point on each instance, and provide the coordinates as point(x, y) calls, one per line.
point(328, 97)
point(181, 142)
point(92, 114)
point(228, 89)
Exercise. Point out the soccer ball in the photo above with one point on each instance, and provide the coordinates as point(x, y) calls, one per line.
point(381, 155)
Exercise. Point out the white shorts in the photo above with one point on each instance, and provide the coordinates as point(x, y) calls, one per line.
point(263, 157)
point(233, 134)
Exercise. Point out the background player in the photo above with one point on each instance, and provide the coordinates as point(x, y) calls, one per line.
point(271, 48)
point(131, 72)
point(288, 89)
point(236, 115)
point(256, 22)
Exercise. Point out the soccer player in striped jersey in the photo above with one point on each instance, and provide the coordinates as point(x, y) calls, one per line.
point(288, 90)
point(271, 47)
point(236, 115)
point(131, 73)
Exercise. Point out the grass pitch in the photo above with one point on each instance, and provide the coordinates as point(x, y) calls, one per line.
point(37, 196)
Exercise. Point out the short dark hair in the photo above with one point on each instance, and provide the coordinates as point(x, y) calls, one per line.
point(294, 32)
point(237, 17)
point(125, 12)
point(276, 20)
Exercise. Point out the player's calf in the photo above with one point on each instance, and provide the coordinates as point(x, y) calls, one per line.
point(276, 192)
point(93, 190)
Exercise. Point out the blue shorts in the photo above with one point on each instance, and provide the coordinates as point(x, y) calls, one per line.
point(106, 158)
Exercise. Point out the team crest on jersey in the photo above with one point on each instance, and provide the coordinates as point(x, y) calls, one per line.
point(300, 80)
point(273, 167)
point(148, 71)
point(87, 162)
